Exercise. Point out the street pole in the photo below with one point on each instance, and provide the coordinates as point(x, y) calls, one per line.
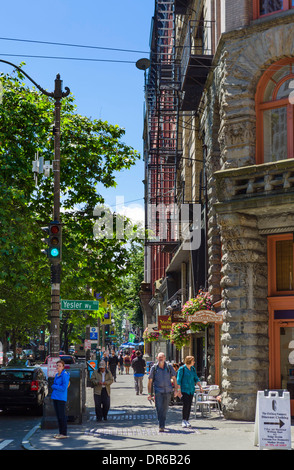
point(56, 268)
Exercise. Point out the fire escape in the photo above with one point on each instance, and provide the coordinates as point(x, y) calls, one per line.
point(162, 102)
point(173, 86)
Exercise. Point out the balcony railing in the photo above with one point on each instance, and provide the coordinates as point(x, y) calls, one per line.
point(268, 179)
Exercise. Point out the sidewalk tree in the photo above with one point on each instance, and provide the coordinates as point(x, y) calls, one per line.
point(91, 153)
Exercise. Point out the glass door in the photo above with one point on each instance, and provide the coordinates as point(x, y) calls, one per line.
point(287, 359)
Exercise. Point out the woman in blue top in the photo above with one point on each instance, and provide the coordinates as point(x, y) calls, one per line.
point(59, 397)
point(187, 378)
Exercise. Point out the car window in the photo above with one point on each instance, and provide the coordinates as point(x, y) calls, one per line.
point(16, 374)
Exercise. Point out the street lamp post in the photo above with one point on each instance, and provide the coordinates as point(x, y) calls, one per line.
point(57, 94)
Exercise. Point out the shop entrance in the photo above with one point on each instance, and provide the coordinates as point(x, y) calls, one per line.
point(282, 351)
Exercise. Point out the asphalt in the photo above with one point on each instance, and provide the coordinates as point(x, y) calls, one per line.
point(132, 429)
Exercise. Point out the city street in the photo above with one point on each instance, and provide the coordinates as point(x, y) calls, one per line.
point(132, 426)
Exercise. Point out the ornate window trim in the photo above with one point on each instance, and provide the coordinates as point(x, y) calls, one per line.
point(266, 100)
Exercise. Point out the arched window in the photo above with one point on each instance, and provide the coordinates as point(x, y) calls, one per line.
point(263, 8)
point(275, 113)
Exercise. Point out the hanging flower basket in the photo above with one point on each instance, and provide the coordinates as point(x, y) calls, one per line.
point(148, 336)
point(203, 301)
point(179, 336)
point(165, 334)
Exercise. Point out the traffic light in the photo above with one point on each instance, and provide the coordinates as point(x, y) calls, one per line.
point(53, 241)
point(106, 330)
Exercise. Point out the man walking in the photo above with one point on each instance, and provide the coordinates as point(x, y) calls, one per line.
point(138, 365)
point(160, 377)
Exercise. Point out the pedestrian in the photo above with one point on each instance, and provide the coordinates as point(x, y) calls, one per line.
point(101, 380)
point(160, 378)
point(187, 378)
point(139, 365)
point(133, 355)
point(113, 362)
point(127, 363)
point(174, 399)
point(59, 397)
point(105, 358)
point(120, 363)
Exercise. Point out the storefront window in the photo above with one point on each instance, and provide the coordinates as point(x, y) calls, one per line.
point(284, 265)
point(287, 359)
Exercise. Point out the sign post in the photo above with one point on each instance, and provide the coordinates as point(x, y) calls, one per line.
point(272, 428)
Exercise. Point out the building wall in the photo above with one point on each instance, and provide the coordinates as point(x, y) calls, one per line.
point(237, 250)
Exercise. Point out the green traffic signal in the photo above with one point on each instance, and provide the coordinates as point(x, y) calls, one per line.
point(53, 241)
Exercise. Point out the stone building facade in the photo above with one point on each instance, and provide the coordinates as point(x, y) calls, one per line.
point(236, 159)
point(248, 201)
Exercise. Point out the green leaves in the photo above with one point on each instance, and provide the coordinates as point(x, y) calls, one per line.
point(91, 153)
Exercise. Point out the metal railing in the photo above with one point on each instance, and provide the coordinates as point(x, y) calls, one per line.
point(198, 42)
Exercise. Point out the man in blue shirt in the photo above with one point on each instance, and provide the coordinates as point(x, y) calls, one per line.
point(160, 377)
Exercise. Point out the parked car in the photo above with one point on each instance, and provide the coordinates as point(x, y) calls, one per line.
point(23, 387)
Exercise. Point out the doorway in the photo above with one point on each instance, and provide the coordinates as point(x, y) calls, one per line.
point(282, 353)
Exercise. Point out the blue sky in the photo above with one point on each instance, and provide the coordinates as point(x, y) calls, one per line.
point(113, 92)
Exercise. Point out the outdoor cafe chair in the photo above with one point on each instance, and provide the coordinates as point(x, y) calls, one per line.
point(205, 401)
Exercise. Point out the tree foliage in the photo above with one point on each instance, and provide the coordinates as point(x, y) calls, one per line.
point(92, 152)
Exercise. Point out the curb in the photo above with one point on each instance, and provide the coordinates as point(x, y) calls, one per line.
point(26, 440)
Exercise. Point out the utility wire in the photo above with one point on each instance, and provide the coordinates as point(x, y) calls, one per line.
point(68, 58)
point(73, 45)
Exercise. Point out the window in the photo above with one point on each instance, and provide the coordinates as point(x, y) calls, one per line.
point(281, 264)
point(263, 8)
point(274, 113)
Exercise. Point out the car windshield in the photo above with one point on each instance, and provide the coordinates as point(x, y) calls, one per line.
point(15, 375)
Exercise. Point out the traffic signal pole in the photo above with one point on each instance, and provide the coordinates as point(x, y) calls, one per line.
point(56, 267)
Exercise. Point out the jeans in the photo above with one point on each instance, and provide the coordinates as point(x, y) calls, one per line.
point(139, 384)
point(161, 404)
point(59, 407)
point(187, 402)
point(102, 404)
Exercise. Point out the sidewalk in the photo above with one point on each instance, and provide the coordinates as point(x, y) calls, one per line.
point(132, 426)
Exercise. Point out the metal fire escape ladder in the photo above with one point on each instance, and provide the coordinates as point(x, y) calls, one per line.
point(163, 118)
point(162, 111)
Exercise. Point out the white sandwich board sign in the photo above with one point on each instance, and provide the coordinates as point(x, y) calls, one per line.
point(272, 428)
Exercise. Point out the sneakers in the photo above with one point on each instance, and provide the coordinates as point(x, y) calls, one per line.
point(60, 436)
point(185, 424)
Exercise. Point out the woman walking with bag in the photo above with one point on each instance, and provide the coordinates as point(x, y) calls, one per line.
point(187, 379)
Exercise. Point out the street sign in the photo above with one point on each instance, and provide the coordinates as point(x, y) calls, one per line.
point(106, 319)
point(79, 305)
point(51, 366)
point(93, 332)
point(273, 420)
